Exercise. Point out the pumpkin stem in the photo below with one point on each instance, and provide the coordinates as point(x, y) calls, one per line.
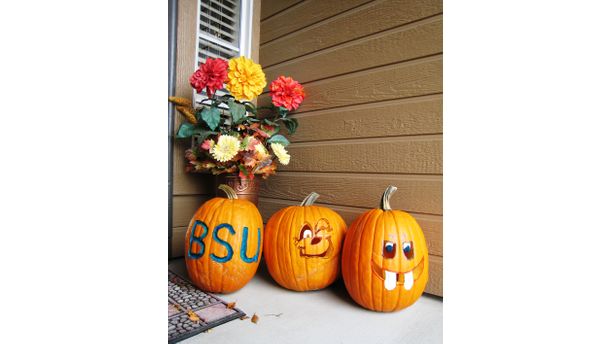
point(231, 194)
point(310, 199)
point(384, 202)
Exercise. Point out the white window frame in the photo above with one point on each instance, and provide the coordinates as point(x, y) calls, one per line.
point(245, 39)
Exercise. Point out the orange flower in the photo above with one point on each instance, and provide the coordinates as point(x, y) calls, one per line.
point(287, 93)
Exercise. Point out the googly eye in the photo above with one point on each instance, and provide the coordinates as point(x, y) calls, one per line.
point(388, 249)
point(408, 249)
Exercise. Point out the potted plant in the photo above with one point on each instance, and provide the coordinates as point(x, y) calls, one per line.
point(230, 137)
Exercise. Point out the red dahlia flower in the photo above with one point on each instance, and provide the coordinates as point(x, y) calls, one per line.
point(210, 75)
point(287, 93)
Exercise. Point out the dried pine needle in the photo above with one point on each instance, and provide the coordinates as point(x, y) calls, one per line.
point(180, 101)
point(188, 113)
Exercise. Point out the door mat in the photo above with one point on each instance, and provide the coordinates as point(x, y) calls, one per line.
point(191, 311)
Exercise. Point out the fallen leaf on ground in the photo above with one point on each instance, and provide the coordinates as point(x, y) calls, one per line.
point(192, 316)
point(231, 305)
point(255, 318)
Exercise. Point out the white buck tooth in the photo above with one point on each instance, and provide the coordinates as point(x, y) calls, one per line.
point(408, 280)
point(390, 280)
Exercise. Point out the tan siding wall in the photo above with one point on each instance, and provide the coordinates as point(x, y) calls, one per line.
point(191, 190)
point(373, 114)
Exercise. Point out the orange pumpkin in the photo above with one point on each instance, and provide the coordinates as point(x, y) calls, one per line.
point(385, 263)
point(303, 244)
point(223, 243)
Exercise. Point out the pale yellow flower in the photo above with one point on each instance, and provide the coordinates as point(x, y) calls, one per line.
point(261, 149)
point(281, 153)
point(226, 148)
point(245, 78)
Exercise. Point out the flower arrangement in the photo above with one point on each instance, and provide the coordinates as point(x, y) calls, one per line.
point(226, 133)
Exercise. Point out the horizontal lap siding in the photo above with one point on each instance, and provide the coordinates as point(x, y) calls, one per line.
point(361, 21)
point(403, 117)
point(372, 71)
point(303, 14)
point(406, 42)
point(404, 154)
point(416, 194)
point(272, 7)
point(402, 80)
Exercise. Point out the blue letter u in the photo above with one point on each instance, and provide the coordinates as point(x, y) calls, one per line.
point(243, 249)
point(230, 251)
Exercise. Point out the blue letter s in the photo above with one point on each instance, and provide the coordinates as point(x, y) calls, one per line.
point(230, 251)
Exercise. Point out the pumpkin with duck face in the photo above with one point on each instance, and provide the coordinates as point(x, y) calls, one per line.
point(385, 263)
point(302, 245)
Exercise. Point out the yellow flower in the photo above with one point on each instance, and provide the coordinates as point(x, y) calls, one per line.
point(261, 149)
point(226, 148)
point(245, 79)
point(281, 153)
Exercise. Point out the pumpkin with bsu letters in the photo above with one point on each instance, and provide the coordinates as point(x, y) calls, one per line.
point(385, 263)
point(303, 244)
point(223, 243)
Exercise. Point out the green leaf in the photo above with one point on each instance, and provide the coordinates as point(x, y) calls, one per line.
point(245, 143)
point(291, 124)
point(271, 132)
point(185, 131)
point(267, 121)
point(283, 111)
point(212, 117)
point(279, 139)
point(202, 134)
point(237, 110)
point(243, 169)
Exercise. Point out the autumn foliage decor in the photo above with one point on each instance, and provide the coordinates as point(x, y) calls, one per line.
point(228, 133)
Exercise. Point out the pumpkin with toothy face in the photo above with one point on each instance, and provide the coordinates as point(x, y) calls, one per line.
point(385, 263)
point(302, 245)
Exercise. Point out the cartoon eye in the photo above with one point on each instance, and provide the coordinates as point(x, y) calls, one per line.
point(408, 250)
point(306, 232)
point(388, 249)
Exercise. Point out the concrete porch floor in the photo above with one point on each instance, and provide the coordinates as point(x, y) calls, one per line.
point(324, 316)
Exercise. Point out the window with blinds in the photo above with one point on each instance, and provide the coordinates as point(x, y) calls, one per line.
point(224, 30)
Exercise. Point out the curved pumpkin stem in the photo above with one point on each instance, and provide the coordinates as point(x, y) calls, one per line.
point(310, 199)
point(384, 202)
point(231, 194)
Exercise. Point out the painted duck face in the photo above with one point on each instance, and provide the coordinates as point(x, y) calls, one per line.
point(315, 242)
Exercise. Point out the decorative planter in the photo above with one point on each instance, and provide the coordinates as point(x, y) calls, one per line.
point(247, 189)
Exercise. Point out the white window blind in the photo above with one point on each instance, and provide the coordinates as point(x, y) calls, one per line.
point(224, 30)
